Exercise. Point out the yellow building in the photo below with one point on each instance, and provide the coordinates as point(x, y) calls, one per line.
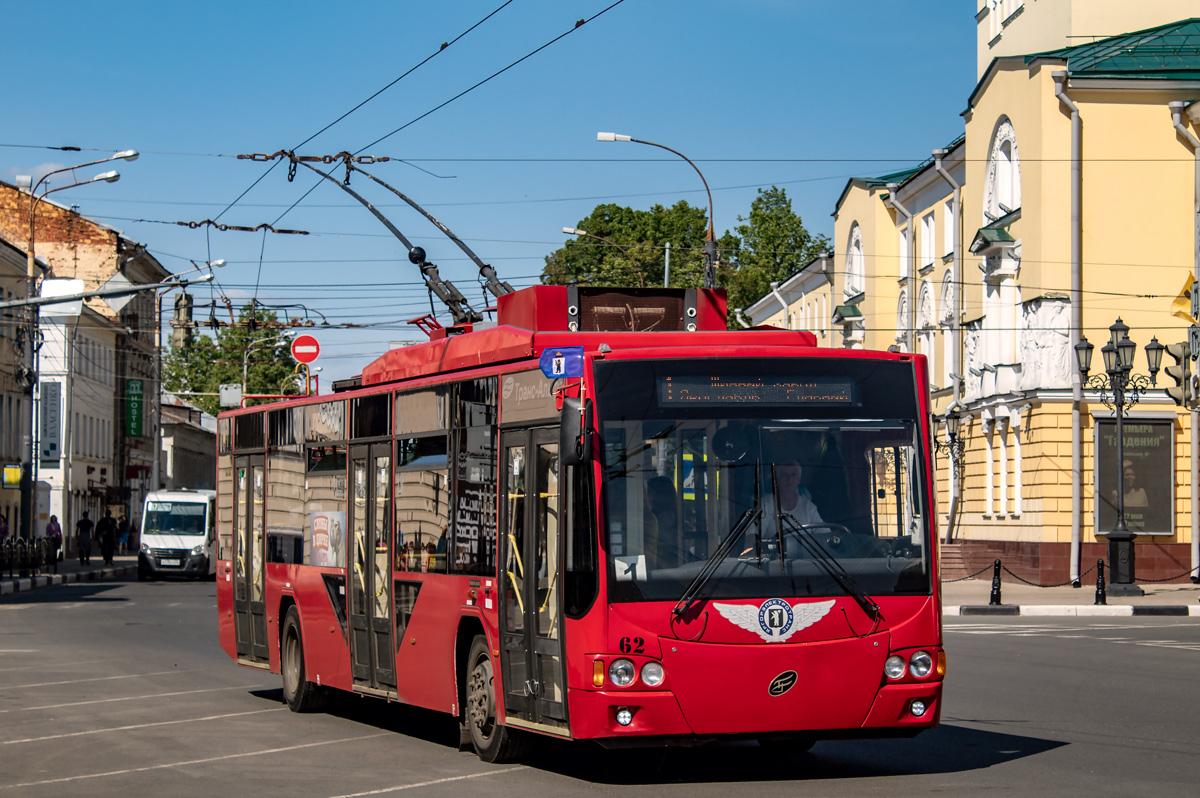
point(1079, 201)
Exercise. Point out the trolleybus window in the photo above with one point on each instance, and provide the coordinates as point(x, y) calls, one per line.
point(473, 439)
point(820, 456)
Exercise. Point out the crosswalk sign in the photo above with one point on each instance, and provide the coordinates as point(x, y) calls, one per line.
point(565, 361)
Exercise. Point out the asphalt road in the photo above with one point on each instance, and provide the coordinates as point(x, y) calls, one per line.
point(120, 689)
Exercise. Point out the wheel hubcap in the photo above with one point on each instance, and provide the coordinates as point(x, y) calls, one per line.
point(480, 710)
point(291, 670)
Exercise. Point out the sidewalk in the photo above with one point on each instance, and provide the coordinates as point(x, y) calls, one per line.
point(970, 597)
point(71, 571)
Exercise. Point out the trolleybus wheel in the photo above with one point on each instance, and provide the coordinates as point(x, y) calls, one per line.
point(301, 695)
point(493, 742)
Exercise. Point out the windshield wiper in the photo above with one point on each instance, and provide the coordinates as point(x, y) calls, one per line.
point(831, 564)
point(690, 595)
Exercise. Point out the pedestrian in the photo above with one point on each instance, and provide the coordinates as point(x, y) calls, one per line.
point(133, 534)
point(83, 538)
point(3, 528)
point(123, 535)
point(54, 540)
point(106, 531)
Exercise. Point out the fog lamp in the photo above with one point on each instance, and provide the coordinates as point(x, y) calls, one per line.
point(893, 667)
point(621, 672)
point(625, 716)
point(652, 674)
point(920, 664)
point(917, 708)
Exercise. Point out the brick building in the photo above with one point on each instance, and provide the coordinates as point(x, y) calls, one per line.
point(122, 355)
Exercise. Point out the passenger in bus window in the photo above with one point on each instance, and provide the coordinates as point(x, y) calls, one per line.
point(661, 524)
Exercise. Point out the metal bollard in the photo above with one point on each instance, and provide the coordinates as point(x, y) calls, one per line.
point(995, 597)
point(1101, 596)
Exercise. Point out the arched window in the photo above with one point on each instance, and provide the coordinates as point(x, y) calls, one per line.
point(1002, 194)
point(855, 264)
point(926, 322)
point(902, 319)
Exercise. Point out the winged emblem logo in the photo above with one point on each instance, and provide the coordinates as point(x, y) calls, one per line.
point(774, 620)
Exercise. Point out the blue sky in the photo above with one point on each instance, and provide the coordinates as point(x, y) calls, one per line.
point(751, 79)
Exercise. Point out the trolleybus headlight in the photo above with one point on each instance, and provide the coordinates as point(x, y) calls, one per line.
point(893, 667)
point(920, 664)
point(624, 716)
point(652, 674)
point(621, 672)
point(918, 708)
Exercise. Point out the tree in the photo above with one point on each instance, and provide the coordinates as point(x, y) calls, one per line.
point(771, 244)
point(632, 253)
point(211, 361)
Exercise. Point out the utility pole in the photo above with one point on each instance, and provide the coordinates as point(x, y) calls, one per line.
point(667, 268)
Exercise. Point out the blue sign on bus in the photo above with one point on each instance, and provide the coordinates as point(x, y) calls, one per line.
point(566, 361)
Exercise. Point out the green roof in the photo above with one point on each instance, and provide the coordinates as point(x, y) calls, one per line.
point(846, 313)
point(1167, 52)
point(995, 233)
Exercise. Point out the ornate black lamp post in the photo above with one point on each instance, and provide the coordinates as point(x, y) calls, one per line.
point(953, 446)
point(1119, 390)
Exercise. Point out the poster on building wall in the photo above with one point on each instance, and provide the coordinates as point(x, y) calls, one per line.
point(51, 423)
point(1148, 472)
point(134, 401)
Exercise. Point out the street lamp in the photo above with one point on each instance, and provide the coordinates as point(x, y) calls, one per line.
point(29, 459)
point(1119, 391)
point(953, 447)
point(710, 241)
point(263, 344)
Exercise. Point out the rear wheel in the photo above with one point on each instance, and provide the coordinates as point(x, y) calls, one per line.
point(300, 694)
point(493, 742)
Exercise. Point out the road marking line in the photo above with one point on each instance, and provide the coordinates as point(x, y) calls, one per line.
point(186, 762)
point(400, 787)
point(130, 698)
point(18, 651)
point(92, 679)
point(137, 726)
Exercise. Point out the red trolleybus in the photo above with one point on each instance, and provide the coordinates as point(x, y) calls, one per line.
point(604, 518)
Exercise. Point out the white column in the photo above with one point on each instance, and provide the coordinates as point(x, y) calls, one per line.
point(988, 496)
point(1002, 462)
point(1014, 423)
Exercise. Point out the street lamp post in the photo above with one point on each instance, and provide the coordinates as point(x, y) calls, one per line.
point(710, 241)
point(29, 455)
point(253, 346)
point(1119, 391)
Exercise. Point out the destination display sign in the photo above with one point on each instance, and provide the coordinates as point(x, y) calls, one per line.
point(713, 389)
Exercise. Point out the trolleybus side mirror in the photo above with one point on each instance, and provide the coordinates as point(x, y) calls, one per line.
point(575, 434)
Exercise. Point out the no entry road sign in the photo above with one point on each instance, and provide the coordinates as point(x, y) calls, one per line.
point(305, 349)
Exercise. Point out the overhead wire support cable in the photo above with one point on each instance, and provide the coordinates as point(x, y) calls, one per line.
point(441, 49)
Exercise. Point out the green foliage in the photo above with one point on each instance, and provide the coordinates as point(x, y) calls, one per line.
point(631, 253)
point(210, 362)
point(770, 244)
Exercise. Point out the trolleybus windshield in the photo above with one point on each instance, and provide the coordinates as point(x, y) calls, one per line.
point(830, 447)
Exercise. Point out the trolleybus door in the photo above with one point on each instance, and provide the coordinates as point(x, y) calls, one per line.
point(372, 655)
point(249, 594)
point(531, 558)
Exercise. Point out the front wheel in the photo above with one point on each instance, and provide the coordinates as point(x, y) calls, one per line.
point(492, 741)
point(300, 694)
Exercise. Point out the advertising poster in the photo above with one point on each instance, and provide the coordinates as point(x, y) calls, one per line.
point(325, 539)
point(1149, 479)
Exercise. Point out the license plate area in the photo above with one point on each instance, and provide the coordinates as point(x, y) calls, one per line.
point(172, 561)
